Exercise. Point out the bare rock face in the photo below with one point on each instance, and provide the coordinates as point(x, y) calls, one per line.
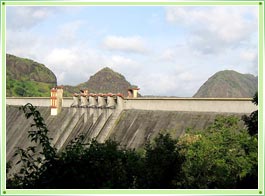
point(229, 84)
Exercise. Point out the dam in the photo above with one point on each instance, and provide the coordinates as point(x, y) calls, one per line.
point(128, 120)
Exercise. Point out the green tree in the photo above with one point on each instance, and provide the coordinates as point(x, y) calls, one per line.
point(251, 121)
point(93, 165)
point(162, 163)
point(218, 157)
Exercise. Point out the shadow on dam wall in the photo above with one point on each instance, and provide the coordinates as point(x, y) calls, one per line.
point(131, 128)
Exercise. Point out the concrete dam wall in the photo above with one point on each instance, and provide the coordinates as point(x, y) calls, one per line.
point(135, 127)
point(131, 122)
point(222, 105)
point(131, 128)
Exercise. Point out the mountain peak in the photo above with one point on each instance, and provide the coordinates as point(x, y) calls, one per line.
point(106, 80)
point(229, 83)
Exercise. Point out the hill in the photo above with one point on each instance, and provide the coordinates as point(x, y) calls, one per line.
point(229, 83)
point(27, 78)
point(104, 81)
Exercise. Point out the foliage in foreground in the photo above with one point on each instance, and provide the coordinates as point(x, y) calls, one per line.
point(222, 156)
point(252, 120)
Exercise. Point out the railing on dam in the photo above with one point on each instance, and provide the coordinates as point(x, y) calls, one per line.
point(226, 105)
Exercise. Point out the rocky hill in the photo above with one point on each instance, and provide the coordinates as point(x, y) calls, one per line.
point(28, 78)
point(229, 83)
point(25, 77)
point(104, 81)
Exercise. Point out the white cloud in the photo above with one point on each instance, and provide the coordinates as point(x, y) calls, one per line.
point(68, 31)
point(168, 55)
point(22, 17)
point(169, 82)
point(249, 58)
point(123, 64)
point(157, 84)
point(127, 44)
point(249, 55)
point(120, 60)
point(74, 64)
point(25, 44)
point(186, 76)
point(213, 29)
point(62, 56)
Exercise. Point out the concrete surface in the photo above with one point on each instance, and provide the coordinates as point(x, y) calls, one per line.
point(229, 105)
point(132, 128)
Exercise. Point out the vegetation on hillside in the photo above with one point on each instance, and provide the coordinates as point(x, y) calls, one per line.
point(27, 78)
point(229, 83)
point(223, 156)
point(18, 88)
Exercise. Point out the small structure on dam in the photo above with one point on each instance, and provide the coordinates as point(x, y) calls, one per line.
point(111, 101)
point(133, 92)
point(84, 98)
point(56, 100)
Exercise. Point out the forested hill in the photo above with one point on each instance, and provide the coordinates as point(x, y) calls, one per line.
point(27, 78)
point(229, 83)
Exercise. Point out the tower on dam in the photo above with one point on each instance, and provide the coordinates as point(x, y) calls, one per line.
point(56, 100)
point(133, 92)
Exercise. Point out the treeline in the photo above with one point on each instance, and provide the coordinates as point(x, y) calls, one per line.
point(223, 156)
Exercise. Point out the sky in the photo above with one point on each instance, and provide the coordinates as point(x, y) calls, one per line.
point(166, 51)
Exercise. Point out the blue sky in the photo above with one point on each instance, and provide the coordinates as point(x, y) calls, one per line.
point(168, 51)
